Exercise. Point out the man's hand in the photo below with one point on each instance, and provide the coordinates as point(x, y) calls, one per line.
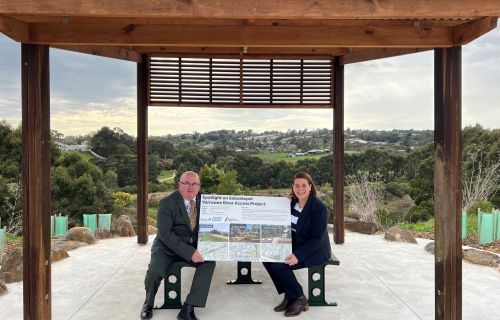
point(291, 260)
point(197, 258)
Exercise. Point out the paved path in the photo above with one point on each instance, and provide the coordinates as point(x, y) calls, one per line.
point(377, 279)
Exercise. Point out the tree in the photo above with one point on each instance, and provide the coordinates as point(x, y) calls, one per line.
point(78, 186)
point(229, 184)
point(108, 142)
point(365, 197)
point(210, 177)
point(480, 180)
point(163, 148)
point(422, 185)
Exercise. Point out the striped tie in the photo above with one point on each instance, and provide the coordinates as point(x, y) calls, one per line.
point(192, 214)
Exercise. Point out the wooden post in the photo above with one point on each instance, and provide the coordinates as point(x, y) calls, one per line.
point(338, 166)
point(142, 151)
point(447, 183)
point(36, 181)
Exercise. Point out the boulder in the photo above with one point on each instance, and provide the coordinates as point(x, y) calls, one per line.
point(430, 247)
point(152, 229)
point(3, 287)
point(484, 258)
point(81, 234)
point(361, 226)
point(58, 254)
point(398, 235)
point(103, 233)
point(124, 227)
point(66, 245)
point(12, 266)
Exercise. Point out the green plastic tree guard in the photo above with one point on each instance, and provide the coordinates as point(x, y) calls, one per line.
point(60, 226)
point(105, 221)
point(90, 221)
point(51, 226)
point(464, 225)
point(485, 228)
point(2, 242)
point(496, 224)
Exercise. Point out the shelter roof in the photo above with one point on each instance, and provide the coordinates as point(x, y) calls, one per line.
point(353, 30)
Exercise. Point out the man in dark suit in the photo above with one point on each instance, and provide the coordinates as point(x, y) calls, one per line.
point(177, 239)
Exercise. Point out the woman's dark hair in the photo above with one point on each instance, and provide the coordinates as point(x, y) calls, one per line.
point(303, 175)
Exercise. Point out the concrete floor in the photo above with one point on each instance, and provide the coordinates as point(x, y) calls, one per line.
point(376, 279)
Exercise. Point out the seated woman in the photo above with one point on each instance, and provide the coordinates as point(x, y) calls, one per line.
point(310, 245)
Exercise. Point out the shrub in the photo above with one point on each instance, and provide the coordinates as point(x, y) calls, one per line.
point(152, 221)
point(484, 205)
point(421, 212)
point(328, 200)
point(153, 203)
point(122, 199)
point(397, 189)
point(388, 218)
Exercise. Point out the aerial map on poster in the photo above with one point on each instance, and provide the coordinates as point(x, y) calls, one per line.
point(244, 228)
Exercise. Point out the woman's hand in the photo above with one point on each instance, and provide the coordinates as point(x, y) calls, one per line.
point(291, 260)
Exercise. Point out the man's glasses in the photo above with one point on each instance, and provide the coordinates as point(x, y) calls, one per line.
point(187, 184)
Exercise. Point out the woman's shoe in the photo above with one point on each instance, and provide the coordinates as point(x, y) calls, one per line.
point(296, 307)
point(283, 305)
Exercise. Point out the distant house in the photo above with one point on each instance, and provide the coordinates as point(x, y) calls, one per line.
point(317, 151)
point(73, 147)
point(84, 147)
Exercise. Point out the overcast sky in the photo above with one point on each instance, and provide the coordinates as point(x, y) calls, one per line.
point(88, 92)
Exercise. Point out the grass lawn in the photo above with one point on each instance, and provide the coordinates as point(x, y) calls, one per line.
point(270, 192)
point(13, 239)
point(283, 156)
point(152, 212)
point(85, 155)
point(167, 177)
point(428, 226)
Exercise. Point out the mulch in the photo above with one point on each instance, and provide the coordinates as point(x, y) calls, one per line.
point(10, 246)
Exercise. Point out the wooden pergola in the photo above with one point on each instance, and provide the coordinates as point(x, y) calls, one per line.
point(336, 31)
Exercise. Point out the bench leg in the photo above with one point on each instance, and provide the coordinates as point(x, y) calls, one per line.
point(316, 276)
point(244, 274)
point(172, 299)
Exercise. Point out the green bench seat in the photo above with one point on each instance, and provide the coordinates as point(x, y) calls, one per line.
point(316, 283)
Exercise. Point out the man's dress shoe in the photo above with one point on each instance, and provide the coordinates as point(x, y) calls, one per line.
point(187, 313)
point(146, 312)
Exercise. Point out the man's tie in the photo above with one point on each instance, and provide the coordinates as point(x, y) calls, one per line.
point(192, 214)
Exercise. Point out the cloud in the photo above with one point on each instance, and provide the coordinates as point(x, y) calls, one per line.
point(88, 92)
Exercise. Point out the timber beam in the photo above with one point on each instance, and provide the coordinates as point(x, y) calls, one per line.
point(258, 9)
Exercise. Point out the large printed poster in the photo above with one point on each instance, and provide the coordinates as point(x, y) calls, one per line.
point(244, 228)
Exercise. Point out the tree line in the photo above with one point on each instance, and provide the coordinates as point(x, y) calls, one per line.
point(81, 185)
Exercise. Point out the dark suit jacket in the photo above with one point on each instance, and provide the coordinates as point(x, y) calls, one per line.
point(174, 236)
point(312, 245)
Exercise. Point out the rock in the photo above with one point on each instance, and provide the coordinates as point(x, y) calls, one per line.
point(361, 226)
point(430, 247)
point(398, 235)
point(152, 229)
point(66, 245)
point(80, 234)
point(58, 254)
point(124, 227)
point(103, 233)
point(484, 258)
point(3, 287)
point(12, 266)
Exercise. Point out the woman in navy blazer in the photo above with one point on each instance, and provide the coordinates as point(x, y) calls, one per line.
point(310, 245)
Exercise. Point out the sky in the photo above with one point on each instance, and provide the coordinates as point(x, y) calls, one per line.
point(88, 92)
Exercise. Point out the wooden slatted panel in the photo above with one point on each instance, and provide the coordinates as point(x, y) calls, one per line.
point(239, 82)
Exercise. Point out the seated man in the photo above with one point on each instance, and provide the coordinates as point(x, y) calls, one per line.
point(176, 240)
